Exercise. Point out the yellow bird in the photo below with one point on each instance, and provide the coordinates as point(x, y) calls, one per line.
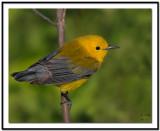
point(69, 66)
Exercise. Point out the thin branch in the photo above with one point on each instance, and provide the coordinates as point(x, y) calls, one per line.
point(60, 24)
point(66, 105)
point(61, 41)
point(64, 14)
point(44, 17)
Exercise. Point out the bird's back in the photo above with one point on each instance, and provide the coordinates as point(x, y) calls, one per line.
point(67, 67)
point(73, 50)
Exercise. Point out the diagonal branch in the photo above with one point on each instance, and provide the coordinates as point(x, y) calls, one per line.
point(44, 17)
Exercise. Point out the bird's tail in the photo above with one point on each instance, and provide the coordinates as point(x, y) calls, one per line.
point(24, 75)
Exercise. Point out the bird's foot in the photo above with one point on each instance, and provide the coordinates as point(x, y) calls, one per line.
point(67, 102)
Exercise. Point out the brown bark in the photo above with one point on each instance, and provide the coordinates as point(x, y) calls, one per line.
point(60, 24)
point(61, 41)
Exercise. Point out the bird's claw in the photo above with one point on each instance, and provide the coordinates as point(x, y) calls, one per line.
point(67, 102)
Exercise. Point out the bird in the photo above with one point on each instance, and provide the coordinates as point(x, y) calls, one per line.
point(69, 66)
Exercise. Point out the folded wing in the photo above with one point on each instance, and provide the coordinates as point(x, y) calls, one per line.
point(62, 70)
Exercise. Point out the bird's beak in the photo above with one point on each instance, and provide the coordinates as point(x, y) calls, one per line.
point(111, 47)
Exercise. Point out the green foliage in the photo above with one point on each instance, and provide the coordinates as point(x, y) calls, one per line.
point(119, 92)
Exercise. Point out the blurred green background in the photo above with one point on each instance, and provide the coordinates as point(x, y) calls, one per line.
point(120, 92)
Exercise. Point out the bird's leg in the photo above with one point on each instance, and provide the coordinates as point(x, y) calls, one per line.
point(67, 101)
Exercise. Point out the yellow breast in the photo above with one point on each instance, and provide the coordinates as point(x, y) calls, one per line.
point(72, 85)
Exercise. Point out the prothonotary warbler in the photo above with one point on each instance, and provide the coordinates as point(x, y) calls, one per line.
point(69, 66)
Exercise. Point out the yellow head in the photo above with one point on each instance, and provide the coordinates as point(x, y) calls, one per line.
point(96, 46)
point(86, 46)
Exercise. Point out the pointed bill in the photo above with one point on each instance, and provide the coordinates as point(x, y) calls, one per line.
point(111, 47)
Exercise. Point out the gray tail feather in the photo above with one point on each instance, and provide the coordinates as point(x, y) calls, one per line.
point(24, 75)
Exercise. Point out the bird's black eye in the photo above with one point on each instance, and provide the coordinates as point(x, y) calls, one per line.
point(97, 48)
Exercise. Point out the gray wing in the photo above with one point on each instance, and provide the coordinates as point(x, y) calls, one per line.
point(36, 70)
point(60, 71)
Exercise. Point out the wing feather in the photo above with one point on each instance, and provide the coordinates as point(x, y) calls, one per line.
point(62, 70)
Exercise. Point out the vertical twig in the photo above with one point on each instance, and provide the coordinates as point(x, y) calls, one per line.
point(60, 13)
point(61, 40)
point(61, 26)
